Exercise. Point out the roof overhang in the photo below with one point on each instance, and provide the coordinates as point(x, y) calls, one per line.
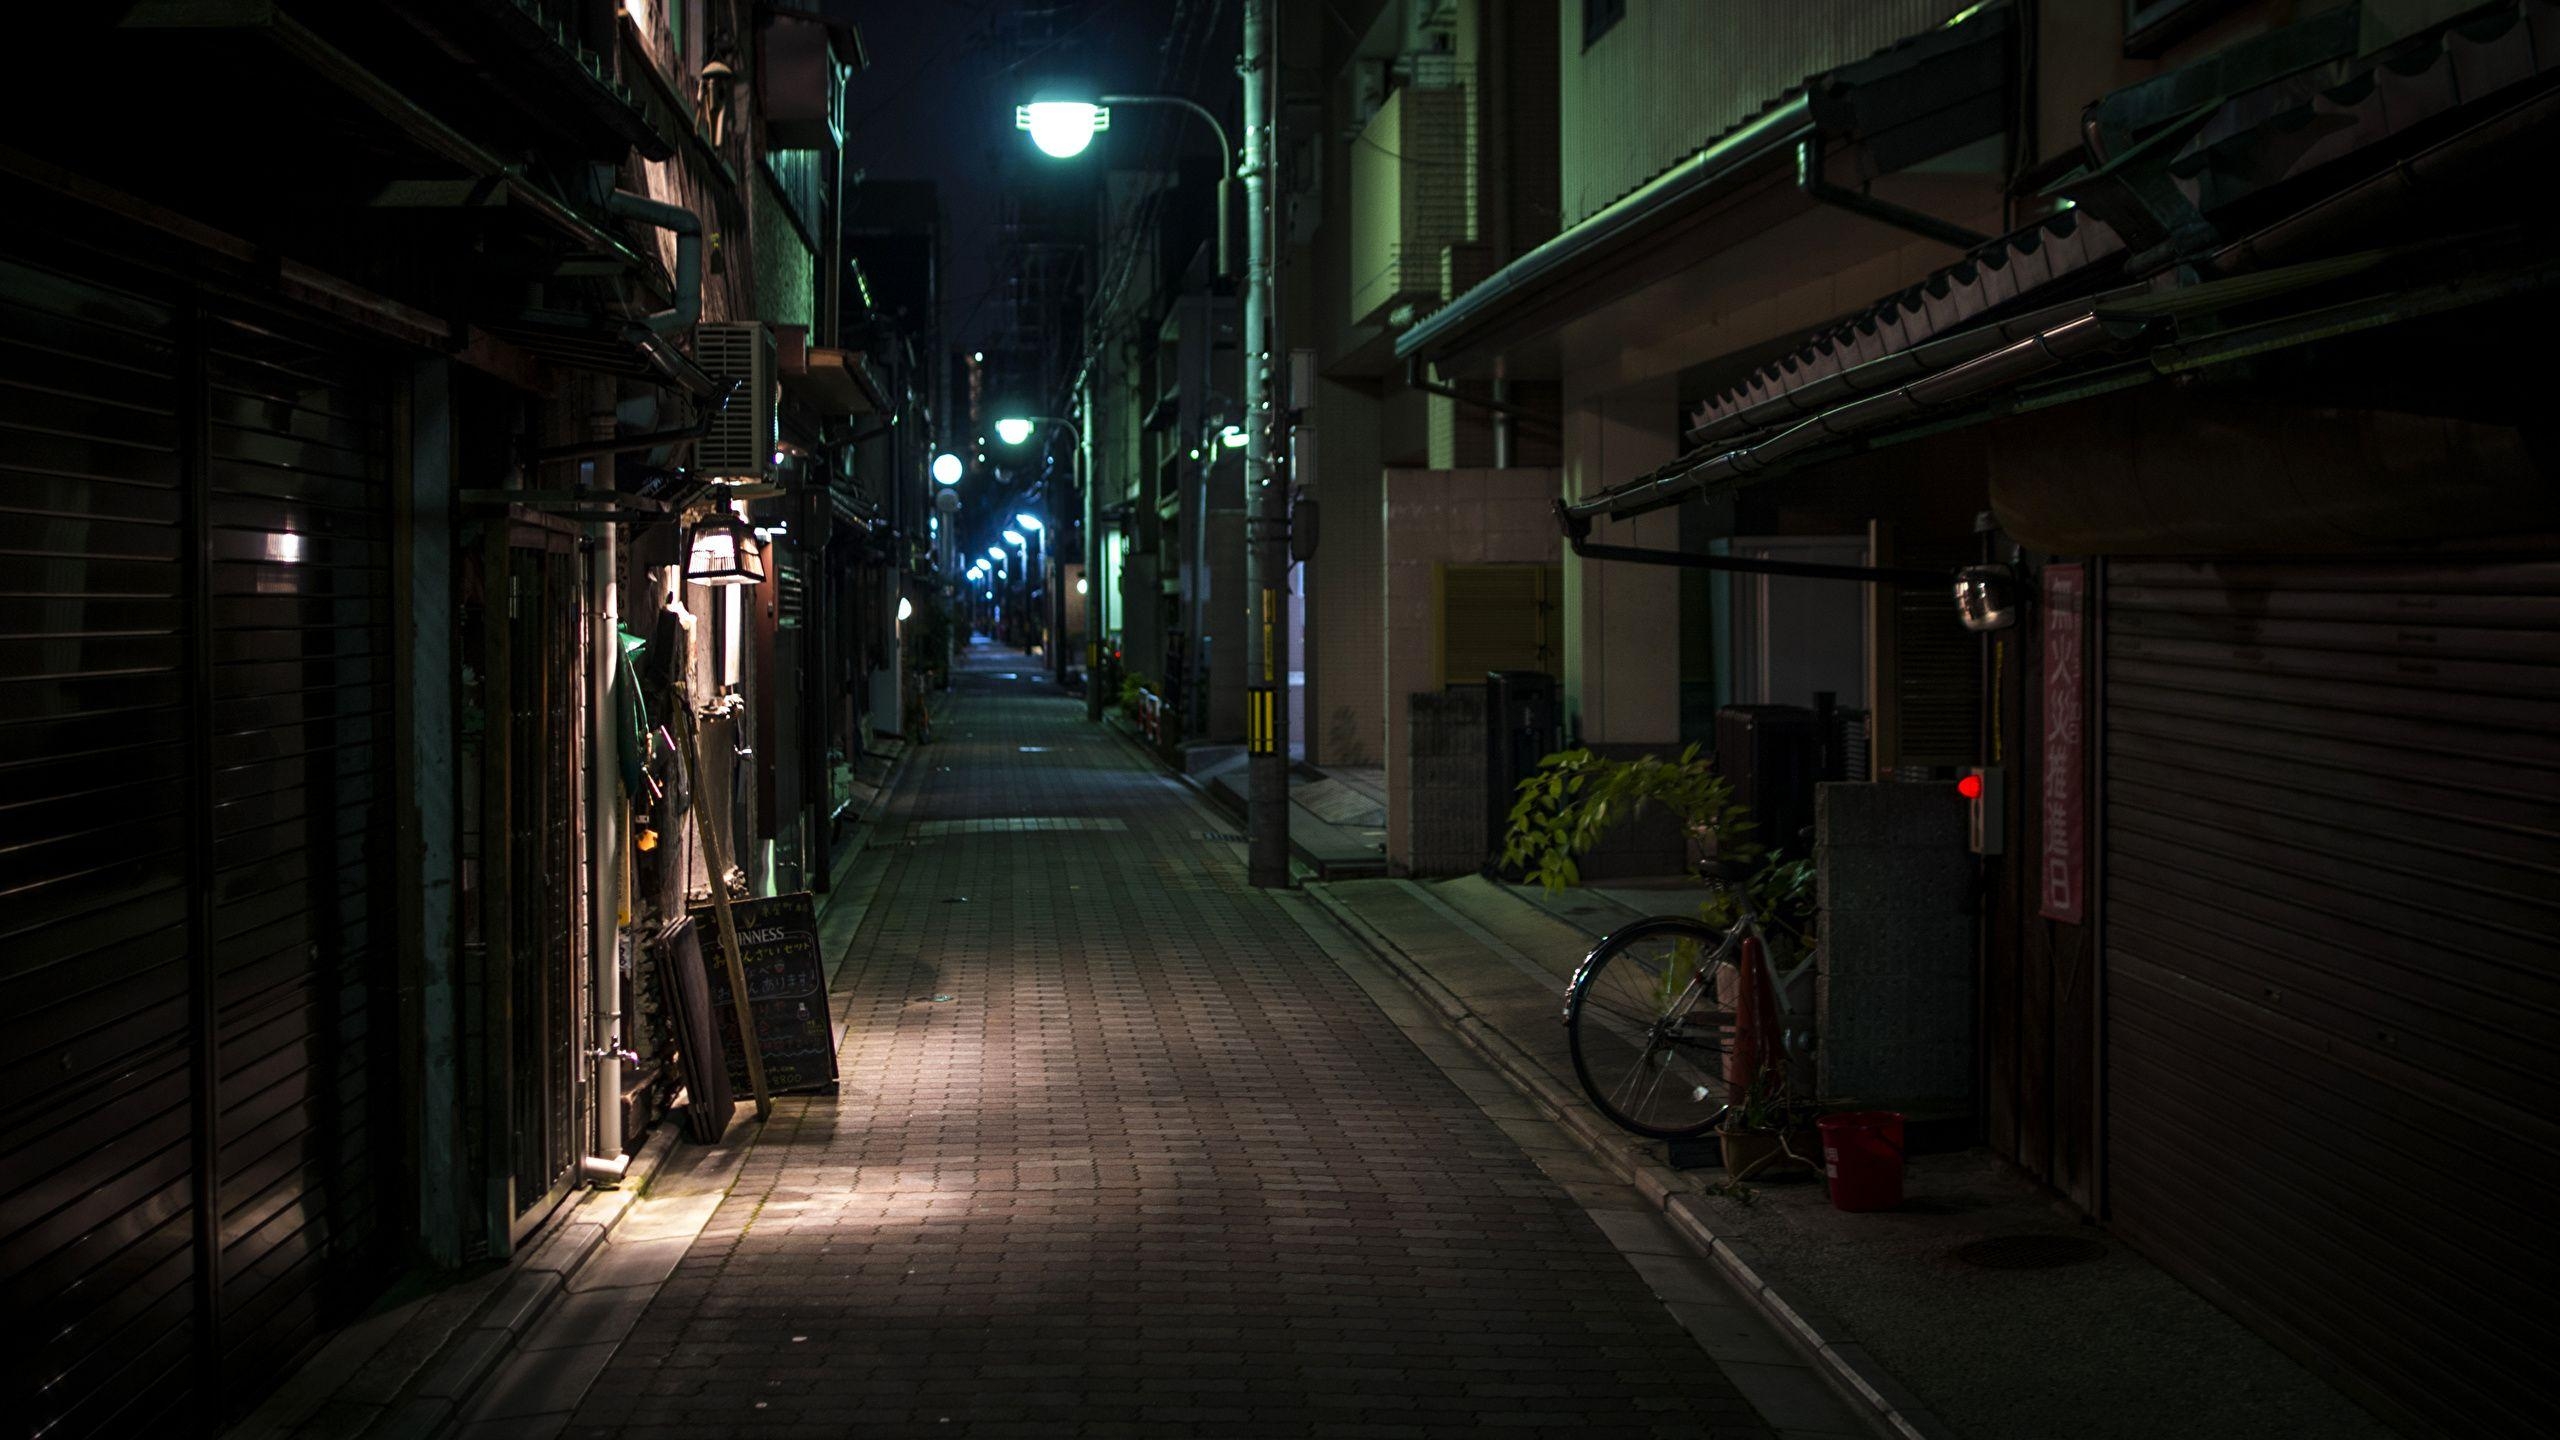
point(1923, 97)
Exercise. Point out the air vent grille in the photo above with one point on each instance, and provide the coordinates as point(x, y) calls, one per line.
point(741, 440)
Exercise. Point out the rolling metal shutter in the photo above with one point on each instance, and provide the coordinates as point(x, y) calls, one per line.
point(193, 848)
point(98, 1173)
point(300, 630)
point(2332, 822)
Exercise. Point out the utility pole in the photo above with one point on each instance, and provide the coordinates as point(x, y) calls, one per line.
point(1093, 697)
point(1266, 553)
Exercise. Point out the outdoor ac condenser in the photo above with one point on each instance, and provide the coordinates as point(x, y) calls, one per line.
point(740, 443)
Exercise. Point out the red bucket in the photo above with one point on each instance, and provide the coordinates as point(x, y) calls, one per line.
point(1862, 1153)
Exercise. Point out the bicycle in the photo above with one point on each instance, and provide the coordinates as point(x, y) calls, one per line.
point(1651, 1015)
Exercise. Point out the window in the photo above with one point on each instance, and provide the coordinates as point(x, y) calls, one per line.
point(1598, 16)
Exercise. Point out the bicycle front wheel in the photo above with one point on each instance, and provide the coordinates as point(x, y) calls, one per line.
point(1650, 1020)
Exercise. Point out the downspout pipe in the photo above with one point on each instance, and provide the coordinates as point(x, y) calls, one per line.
point(687, 228)
point(605, 1164)
point(1413, 380)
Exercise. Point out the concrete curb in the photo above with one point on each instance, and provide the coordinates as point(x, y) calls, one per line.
point(1860, 1380)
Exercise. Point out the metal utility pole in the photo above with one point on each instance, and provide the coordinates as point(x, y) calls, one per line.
point(1266, 552)
point(1093, 701)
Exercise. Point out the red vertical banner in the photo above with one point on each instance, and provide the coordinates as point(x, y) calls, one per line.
point(2062, 861)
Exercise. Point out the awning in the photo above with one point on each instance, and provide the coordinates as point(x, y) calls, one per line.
point(2473, 97)
point(2126, 339)
point(833, 382)
point(1921, 97)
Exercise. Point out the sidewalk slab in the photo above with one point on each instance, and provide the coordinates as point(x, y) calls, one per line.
point(1924, 1342)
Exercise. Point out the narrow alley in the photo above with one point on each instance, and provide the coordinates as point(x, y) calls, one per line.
point(1118, 1149)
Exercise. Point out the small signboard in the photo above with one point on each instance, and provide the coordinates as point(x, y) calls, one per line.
point(708, 1104)
point(2062, 857)
point(786, 989)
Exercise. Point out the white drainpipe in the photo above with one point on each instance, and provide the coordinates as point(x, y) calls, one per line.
point(607, 1164)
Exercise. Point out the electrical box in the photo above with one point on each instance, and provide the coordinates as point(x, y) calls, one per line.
point(1986, 806)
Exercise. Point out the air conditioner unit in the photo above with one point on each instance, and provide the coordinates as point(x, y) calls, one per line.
point(744, 433)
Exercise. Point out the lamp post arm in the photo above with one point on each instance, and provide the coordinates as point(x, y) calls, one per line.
point(1226, 163)
point(1226, 149)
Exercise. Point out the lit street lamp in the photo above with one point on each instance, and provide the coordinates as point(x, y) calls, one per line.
point(1062, 129)
point(947, 468)
point(1064, 126)
point(1015, 430)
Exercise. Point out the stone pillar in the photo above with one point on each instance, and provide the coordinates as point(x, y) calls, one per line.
point(1895, 991)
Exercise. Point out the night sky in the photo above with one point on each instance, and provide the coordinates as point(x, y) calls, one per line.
point(937, 102)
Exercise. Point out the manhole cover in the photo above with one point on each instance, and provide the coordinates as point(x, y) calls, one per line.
point(2029, 1252)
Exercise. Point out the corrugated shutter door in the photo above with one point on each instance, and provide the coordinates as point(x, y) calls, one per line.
point(2332, 801)
point(97, 1213)
point(194, 782)
point(299, 512)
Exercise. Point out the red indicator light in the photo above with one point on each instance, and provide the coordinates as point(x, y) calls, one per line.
point(1970, 787)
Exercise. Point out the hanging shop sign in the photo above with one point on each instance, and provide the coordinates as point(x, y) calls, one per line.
point(786, 988)
point(2062, 858)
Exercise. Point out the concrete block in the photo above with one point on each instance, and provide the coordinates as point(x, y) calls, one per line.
point(1887, 942)
point(1925, 814)
point(1913, 879)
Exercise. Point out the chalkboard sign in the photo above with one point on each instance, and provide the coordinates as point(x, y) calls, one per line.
point(786, 985)
point(707, 1099)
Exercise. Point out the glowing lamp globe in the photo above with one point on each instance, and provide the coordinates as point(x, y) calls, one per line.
point(1013, 430)
point(946, 468)
point(1061, 128)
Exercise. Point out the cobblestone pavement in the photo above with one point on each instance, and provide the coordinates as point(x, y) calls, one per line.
point(1119, 1151)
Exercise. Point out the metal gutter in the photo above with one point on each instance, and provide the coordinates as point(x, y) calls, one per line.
point(1774, 133)
point(1817, 188)
point(1899, 367)
point(2076, 338)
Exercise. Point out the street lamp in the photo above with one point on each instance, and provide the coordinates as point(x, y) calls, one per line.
point(1014, 539)
point(1062, 129)
point(1065, 132)
point(996, 553)
point(1015, 430)
point(947, 468)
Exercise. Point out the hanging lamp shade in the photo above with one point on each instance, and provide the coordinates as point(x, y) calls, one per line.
point(724, 552)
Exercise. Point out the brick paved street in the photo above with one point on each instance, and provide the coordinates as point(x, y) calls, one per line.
point(1119, 1150)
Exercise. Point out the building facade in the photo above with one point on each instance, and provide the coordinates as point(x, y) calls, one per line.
point(368, 436)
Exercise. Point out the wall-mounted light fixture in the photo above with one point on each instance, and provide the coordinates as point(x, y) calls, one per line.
point(724, 552)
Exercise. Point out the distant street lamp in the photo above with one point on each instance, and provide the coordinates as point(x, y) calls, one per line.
point(1014, 430)
point(947, 468)
point(996, 553)
point(1014, 539)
